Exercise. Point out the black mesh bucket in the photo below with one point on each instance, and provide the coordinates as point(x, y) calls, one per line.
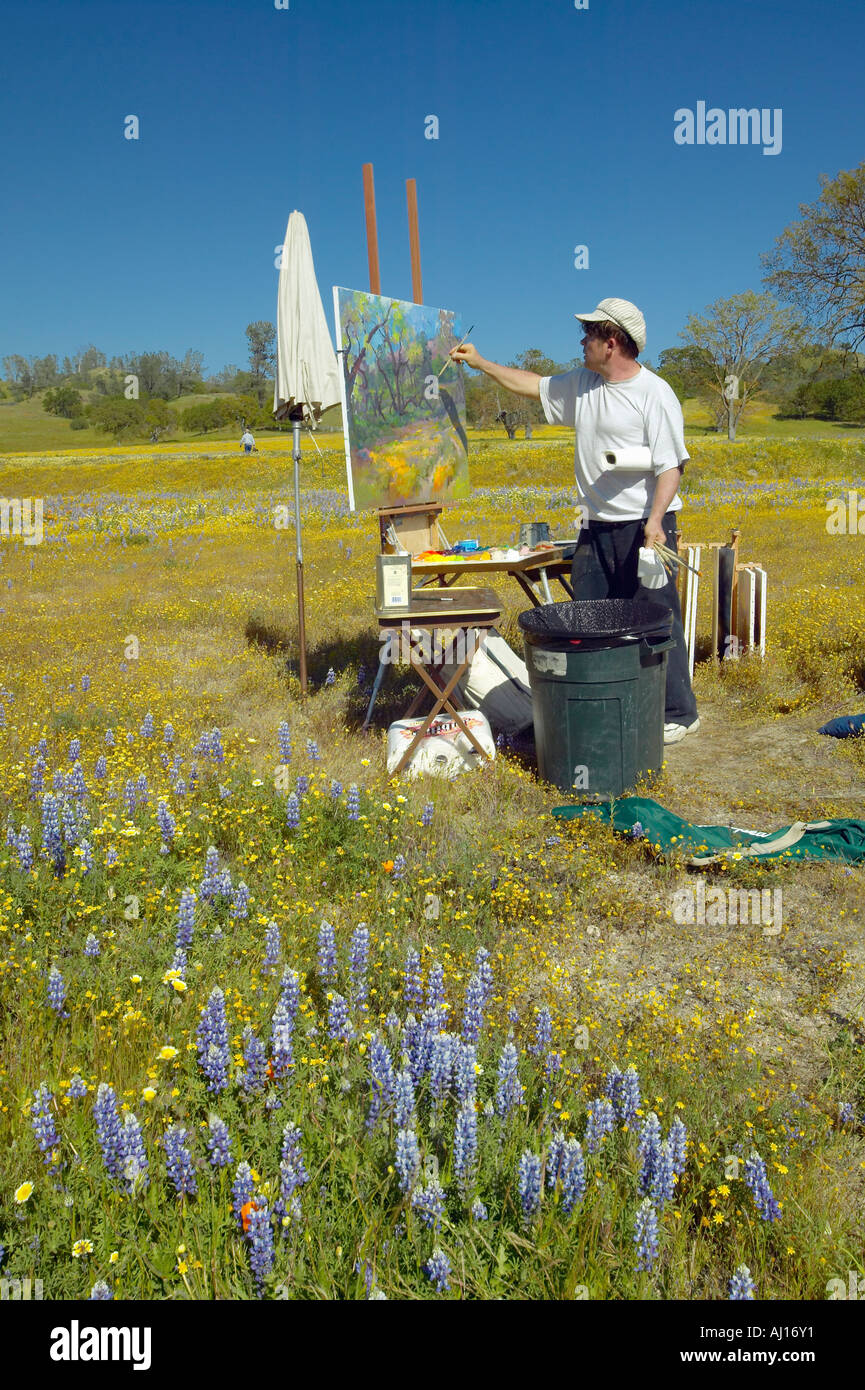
point(594, 623)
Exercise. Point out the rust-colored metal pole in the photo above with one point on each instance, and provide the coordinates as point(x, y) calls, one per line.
point(414, 241)
point(371, 231)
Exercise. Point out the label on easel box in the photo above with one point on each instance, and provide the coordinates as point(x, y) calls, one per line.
point(394, 576)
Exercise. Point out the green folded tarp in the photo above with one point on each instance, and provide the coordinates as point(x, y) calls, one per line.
point(643, 818)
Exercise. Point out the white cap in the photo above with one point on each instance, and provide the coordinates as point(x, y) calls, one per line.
point(622, 313)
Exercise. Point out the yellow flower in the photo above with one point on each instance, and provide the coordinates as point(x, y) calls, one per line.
point(179, 985)
point(166, 1053)
point(136, 979)
point(364, 762)
point(82, 1247)
point(23, 1192)
point(182, 1266)
point(148, 1093)
point(114, 1257)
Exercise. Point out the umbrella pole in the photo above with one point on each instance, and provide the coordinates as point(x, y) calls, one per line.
point(301, 623)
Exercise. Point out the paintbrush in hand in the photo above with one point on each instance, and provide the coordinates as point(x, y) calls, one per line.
point(453, 349)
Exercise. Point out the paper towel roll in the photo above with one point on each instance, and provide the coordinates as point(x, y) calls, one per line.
point(636, 459)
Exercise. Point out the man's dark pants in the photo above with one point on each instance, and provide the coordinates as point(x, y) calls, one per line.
point(605, 566)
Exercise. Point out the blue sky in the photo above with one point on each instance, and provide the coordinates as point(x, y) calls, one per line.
point(556, 130)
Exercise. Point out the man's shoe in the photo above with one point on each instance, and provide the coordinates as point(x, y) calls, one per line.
point(674, 733)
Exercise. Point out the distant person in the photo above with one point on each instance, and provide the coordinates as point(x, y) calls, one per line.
point(614, 403)
point(247, 441)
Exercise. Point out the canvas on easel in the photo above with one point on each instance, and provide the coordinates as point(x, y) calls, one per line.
point(405, 426)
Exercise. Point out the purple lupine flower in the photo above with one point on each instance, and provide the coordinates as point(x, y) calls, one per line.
point(335, 790)
point(24, 849)
point(465, 1071)
point(330, 678)
point(338, 1022)
point(212, 1041)
point(109, 739)
point(85, 684)
point(166, 823)
point(473, 1018)
point(253, 1077)
point(637, 831)
point(418, 1042)
point(646, 1235)
point(108, 1129)
point(757, 1180)
point(292, 811)
point(218, 1142)
point(485, 974)
point(70, 824)
point(241, 1191)
point(224, 792)
point(353, 802)
point(282, 1039)
point(552, 1064)
point(129, 797)
point(100, 1293)
point(301, 786)
point(529, 1183)
point(399, 866)
point(272, 948)
point(142, 789)
point(291, 1151)
point(208, 887)
point(478, 1211)
point(259, 1233)
point(412, 990)
point(312, 750)
point(678, 1141)
point(284, 740)
point(185, 920)
point(742, 1286)
point(429, 1203)
point(555, 1157)
point(51, 839)
point(403, 1099)
point(465, 1143)
point(426, 818)
point(217, 751)
point(649, 1151)
point(407, 1162)
point(289, 991)
point(74, 749)
point(326, 957)
point(101, 767)
point(57, 992)
point(287, 1207)
point(435, 986)
point(44, 1127)
point(168, 733)
point(358, 960)
point(613, 1087)
point(77, 1086)
point(75, 782)
point(664, 1178)
point(91, 946)
point(37, 776)
point(600, 1121)
point(240, 901)
point(133, 1155)
point(110, 857)
point(543, 1032)
point(441, 1065)
point(573, 1176)
point(361, 675)
point(382, 1079)
point(509, 1090)
point(146, 730)
point(178, 1162)
point(629, 1099)
point(438, 1270)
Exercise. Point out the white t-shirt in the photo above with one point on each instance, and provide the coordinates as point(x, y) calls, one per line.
point(616, 415)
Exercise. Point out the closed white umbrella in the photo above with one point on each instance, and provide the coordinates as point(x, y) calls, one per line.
point(307, 375)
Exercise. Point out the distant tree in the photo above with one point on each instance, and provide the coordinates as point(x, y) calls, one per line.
point(19, 375)
point(261, 337)
point(689, 370)
point(65, 401)
point(740, 335)
point(45, 372)
point(818, 263)
point(124, 419)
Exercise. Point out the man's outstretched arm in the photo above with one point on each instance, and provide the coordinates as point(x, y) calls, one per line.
point(514, 379)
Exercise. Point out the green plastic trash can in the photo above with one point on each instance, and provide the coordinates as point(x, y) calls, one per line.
point(598, 671)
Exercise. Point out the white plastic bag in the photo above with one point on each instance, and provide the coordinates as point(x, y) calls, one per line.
point(444, 750)
point(497, 684)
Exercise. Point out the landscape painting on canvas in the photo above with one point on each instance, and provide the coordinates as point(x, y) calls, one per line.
point(405, 427)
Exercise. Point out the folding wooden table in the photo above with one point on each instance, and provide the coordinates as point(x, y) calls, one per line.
point(433, 608)
point(540, 564)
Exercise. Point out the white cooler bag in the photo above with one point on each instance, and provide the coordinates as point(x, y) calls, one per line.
point(444, 749)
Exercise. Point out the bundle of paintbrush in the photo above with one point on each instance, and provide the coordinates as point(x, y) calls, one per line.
point(670, 559)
